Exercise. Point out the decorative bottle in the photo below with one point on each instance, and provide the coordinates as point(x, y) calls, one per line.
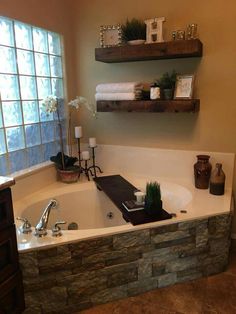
point(202, 172)
point(217, 180)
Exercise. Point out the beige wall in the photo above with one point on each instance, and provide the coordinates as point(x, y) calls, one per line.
point(214, 128)
point(53, 15)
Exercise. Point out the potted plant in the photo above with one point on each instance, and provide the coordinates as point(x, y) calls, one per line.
point(134, 32)
point(67, 171)
point(153, 202)
point(167, 84)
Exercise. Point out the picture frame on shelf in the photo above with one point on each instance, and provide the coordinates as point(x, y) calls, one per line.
point(184, 86)
point(110, 35)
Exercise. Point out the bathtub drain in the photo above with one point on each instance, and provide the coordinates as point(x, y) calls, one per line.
point(110, 215)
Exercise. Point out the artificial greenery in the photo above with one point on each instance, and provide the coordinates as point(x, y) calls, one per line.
point(133, 29)
point(153, 202)
point(69, 162)
point(167, 81)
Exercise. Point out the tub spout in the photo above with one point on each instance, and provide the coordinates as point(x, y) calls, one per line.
point(41, 227)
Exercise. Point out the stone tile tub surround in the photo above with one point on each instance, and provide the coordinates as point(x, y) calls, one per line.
point(79, 275)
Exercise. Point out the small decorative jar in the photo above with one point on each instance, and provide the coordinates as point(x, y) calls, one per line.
point(217, 180)
point(202, 172)
point(180, 35)
point(155, 92)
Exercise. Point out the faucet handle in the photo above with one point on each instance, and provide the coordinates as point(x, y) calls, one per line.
point(26, 226)
point(56, 230)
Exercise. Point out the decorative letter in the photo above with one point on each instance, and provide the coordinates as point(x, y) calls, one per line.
point(154, 30)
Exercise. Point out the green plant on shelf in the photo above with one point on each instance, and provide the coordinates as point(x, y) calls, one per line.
point(167, 84)
point(133, 29)
point(167, 80)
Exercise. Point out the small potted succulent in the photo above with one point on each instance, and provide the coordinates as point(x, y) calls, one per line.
point(153, 202)
point(134, 32)
point(167, 84)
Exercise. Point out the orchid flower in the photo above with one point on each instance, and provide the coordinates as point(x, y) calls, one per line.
point(80, 100)
point(50, 103)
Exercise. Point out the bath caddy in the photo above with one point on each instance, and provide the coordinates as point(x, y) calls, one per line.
point(120, 190)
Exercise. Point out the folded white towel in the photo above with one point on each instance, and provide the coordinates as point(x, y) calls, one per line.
point(117, 96)
point(125, 87)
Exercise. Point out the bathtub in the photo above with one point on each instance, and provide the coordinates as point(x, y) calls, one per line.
point(96, 216)
point(107, 258)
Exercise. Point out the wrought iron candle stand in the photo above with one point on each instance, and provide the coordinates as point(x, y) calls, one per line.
point(93, 168)
point(86, 169)
point(79, 153)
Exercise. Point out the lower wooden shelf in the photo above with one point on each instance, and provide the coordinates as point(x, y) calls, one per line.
point(174, 106)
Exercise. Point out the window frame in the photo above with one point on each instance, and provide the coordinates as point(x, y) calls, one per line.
point(46, 146)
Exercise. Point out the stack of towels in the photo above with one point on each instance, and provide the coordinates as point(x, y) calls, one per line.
point(119, 91)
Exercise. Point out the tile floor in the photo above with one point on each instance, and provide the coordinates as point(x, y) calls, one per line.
point(212, 295)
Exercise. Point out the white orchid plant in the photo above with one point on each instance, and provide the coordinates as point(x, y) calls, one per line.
point(50, 104)
point(79, 100)
point(76, 104)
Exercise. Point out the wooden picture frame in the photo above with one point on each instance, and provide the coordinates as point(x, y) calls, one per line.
point(110, 35)
point(184, 87)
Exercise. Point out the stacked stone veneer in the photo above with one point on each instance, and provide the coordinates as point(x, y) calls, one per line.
point(76, 276)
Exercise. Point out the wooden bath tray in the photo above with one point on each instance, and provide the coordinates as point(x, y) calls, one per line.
point(119, 190)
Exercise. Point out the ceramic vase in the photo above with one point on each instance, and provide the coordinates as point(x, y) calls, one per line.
point(202, 172)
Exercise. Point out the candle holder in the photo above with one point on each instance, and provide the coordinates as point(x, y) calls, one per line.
point(86, 169)
point(79, 153)
point(93, 168)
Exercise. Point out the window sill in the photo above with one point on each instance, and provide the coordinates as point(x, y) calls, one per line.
point(32, 170)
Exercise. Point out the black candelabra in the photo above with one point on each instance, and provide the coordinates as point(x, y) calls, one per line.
point(88, 171)
point(93, 168)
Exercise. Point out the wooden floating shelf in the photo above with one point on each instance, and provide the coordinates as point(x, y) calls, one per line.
point(164, 50)
point(174, 106)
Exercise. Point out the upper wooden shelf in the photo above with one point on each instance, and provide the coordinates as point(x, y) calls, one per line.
point(165, 50)
point(174, 106)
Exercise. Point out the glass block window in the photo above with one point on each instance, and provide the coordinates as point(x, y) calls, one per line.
point(30, 70)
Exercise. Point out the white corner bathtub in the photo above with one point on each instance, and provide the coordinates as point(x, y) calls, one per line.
point(82, 203)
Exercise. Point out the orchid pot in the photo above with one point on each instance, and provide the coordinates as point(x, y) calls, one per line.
point(69, 175)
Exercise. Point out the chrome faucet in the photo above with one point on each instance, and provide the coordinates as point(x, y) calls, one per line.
point(41, 227)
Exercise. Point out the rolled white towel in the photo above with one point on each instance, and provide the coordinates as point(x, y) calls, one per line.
point(117, 96)
point(125, 87)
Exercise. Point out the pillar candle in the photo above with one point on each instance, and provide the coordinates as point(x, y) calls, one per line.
point(92, 142)
point(85, 155)
point(78, 132)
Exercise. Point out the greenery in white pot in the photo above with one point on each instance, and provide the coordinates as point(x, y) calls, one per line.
point(134, 29)
point(153, 202)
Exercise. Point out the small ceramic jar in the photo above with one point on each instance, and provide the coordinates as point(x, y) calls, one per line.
point(155, 92)
point(202, 172)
